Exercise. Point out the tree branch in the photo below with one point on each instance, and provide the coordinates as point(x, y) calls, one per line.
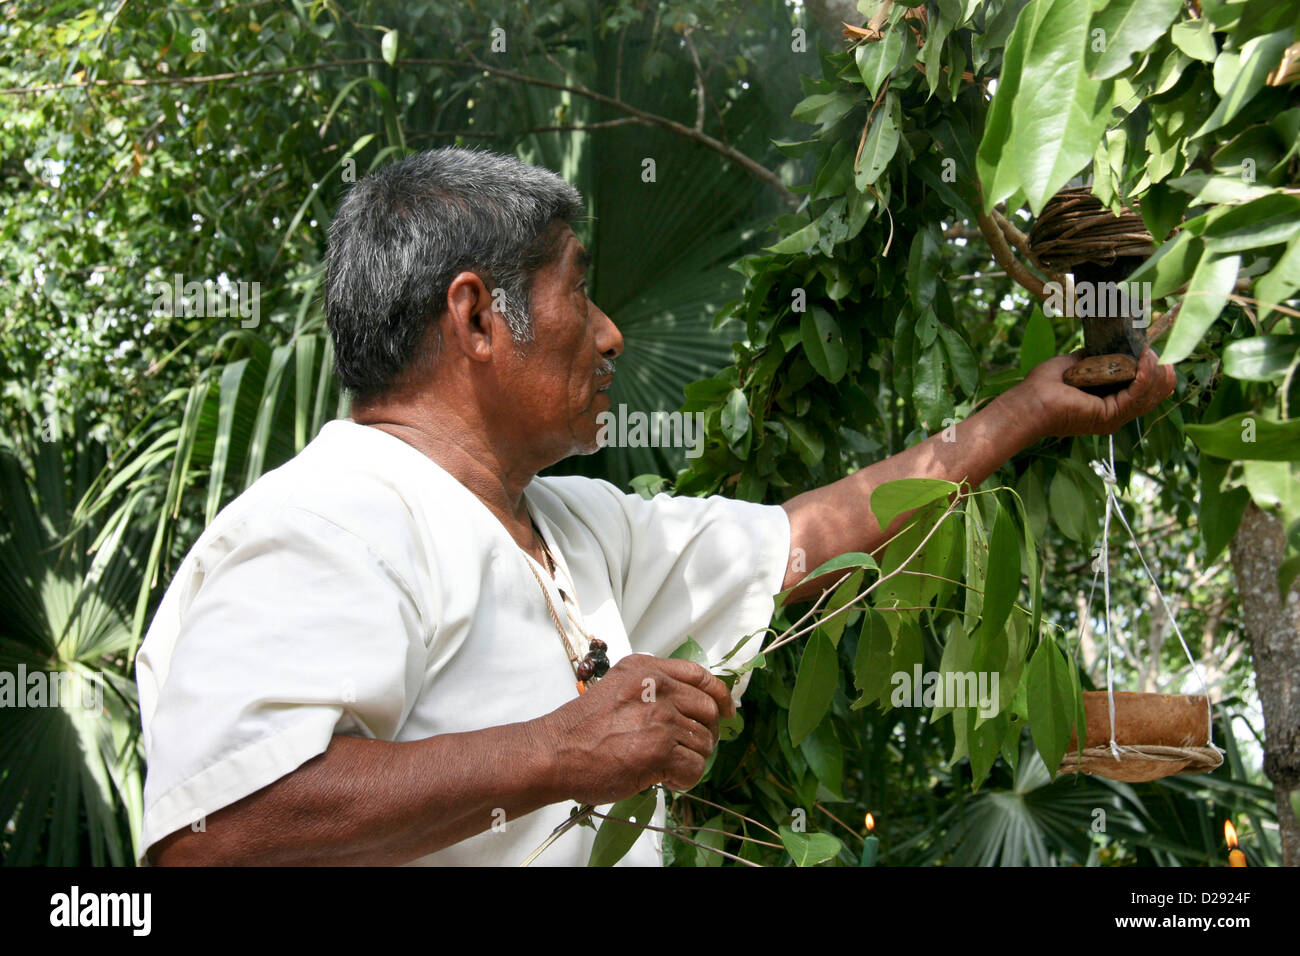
point(1002, 253)
point(758, 171)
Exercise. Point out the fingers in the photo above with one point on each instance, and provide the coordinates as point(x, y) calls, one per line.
point(685, 767)
point(1153, 384)
point(700, 678)
point(692, 674)
point(696, 736)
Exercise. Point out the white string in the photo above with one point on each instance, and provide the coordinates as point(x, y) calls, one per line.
point(1107, 472)
point(1106, 469)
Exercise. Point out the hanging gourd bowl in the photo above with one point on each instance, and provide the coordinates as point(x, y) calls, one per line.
point(1156, 735)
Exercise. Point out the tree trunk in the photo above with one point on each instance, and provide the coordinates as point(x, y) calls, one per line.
point(1273, 626)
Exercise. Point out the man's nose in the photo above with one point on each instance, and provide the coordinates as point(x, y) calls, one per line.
point(608, 338)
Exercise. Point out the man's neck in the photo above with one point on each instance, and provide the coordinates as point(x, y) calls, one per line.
point(461, 448)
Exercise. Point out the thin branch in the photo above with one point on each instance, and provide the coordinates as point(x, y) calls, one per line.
point(758, 171)
point(583, 813)
point(730, 856)
point(718, 806)
point(1018, 240)
point(762, 173)
point(791, 634)
point(679, 829)
point(699, 82)
point(1002, 253)
point(1162, 322)
point(780, 786)
point(577, 128)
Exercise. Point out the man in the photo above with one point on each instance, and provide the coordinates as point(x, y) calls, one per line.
point(374, 654)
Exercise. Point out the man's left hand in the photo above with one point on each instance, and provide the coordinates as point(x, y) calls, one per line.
point(1062, 410)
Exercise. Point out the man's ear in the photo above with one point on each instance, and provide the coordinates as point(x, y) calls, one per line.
point(472, 323)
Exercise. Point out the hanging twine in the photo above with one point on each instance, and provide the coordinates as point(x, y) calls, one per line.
point(1101, 569)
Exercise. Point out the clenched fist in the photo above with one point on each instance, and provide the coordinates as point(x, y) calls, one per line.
point(649, 720)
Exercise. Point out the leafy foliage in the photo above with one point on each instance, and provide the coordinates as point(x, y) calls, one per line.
point(846, 358)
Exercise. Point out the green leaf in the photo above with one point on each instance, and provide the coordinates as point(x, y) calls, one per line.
point(1248, 436)
point(799, 241)
point(965, 364)
point(1271, 219)
point(1162, 209)
point(729, 728)
point(930, 388)
point(909, 649)
point(912, 590)
point(825, 108)
point(1039, 343)
point(1273, 484)
point(1064, 112)
point(923, 264)
point(894, 498)
point(388, 47)
point(877, 60)
point(734, 418)
point(1066, 503)
point(1172, 266)
point(1259, 57)
point(1281, 282)
point(1128, 27)
point(1196, 39)
point(690, 650)
point(809, 849)
point(1206, 296)
point(823, 343)
point(814, 688)
point(841, 562)
point(881, 143)
point(958, 653)
point(1261, 358)
point(871, 674)
point(994, 160)
point(614, 838)
point(1208, 190)
point(845, 593)
point(1050, 700)
point(1220, 509)
point(984, 742)
point(825, 756)
point(808, 445)
point(1002, 583)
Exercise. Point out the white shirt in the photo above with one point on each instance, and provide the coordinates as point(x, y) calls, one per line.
point(361, 589)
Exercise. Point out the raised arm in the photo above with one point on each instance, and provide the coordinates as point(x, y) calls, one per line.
point(836, 518)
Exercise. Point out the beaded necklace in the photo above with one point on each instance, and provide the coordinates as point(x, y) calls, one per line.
point(594, 665)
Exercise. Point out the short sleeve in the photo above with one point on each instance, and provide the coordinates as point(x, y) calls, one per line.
point(704, 568)
point(290, 629)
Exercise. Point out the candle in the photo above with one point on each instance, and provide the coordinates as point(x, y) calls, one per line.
point(1235, 856)
point(870, 846)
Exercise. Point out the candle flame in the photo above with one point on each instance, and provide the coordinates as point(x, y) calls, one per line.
point(1230, 833)
point(871, 823)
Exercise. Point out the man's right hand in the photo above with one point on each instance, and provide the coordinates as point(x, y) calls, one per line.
point(648, 720)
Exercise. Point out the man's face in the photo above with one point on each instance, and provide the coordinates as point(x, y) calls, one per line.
point(558, 384)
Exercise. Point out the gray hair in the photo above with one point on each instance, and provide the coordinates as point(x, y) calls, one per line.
point(407, 229)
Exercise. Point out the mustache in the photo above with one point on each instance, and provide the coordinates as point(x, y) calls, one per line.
point(606, 368)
